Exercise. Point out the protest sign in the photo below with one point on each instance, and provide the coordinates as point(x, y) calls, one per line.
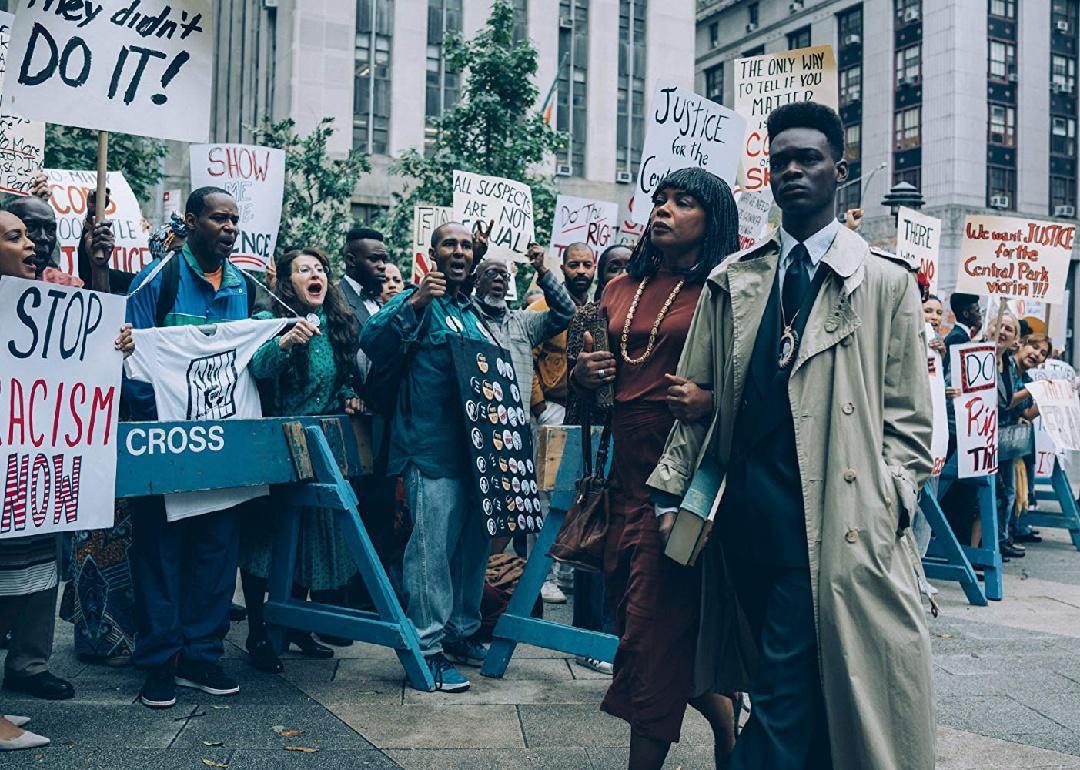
point(1015, 258)
point(68, 192)
point(1053, 369)
point(425, 220)
point(1046, 454)
point(255, 177)
point(974, 372)
point(22, 141)
point(59, 405)
point(939, 441)
point(506, 204)
point(1059, 408)
point(582, 220)
point(630, 232)
point(685, 130)
point(170, 204)
point(763, 83)
point(754, 209)
point(918, 240)
point(135, 66)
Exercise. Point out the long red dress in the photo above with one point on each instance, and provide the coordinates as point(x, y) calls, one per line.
point(655, 601)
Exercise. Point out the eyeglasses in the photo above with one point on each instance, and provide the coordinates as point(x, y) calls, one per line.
point(309, 269)
point(495, 273)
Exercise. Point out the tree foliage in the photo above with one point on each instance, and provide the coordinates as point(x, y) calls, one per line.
point(315, 210)
point(138, 157)
point(494, 130)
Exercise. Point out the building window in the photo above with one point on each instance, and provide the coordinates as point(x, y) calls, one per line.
point(714, 83)
point(714, 34)
point(371, 89)
point(850, 86)
point(752, 14)
point(908, 128)
point(366, 213)
point(909, 65)
point(1063, 16)
point(757, 50)
point(630, 100)
point(1062, 193)
point(913, 176)
point(571, 105)
point(908, 11)
point(800, 38)
point(1001, 181)
point(1002, 61)
point(521, 20)
point(1063, 136)
point(1002, 125)
point(849, 24)
point(1063, 72)
point(853, 143)
point(1005, 9)
point(442, 88)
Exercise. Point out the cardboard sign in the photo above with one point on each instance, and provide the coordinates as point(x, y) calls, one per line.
point(763, 83)
point(1015, 258)
point(425, 220)
point(974, 371)
point(1046, 454)
point(582, 220)
point(22, 141)
point(59, 405)
point(685, 130)
point(504, 202)
point(255, 177)
point(134, 66)
point(1059, 408)
point(918, 240)
point(498, 437)
point(754, 209)
point(1053, 369)
point(68, 193)
point(939, 442)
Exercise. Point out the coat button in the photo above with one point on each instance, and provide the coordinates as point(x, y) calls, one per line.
point(850, 475)
point(852, 535)
point(830, 326)
point(848, 408)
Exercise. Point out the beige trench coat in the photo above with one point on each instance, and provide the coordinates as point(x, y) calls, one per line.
point(860, 401)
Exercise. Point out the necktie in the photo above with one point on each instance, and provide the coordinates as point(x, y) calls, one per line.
point(796, 282)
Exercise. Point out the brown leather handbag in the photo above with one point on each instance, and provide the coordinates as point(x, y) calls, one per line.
point(580, 542)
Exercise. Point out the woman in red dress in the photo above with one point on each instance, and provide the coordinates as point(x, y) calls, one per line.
point(656, 602)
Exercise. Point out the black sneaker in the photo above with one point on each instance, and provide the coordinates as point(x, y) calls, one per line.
point(159, 689)
point(208, 677)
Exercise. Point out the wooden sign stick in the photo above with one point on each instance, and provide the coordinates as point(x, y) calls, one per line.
point(99, 261)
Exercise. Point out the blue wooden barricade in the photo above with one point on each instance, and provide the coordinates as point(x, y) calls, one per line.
point(558, 468)
point(1061, 491)
point(308, 460)
point(987, 556)
point(946, 558)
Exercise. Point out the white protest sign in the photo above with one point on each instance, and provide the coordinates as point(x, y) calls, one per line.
point(582, 220)
point(1059, 408)
point(1015, 257)
point(974, 372)
point(754, 208)
point(630, 232)
point(22, 141)
point(506, 204)
point(59, 405)
point(68, 192)
point(255, 177)
point(918, 240)
point(134, 66)
point(939, 441)
point(1053, 369)
point(685, 130)
point(1046, 454)
point(171, 204)
point(763, 83)
point(425, 220)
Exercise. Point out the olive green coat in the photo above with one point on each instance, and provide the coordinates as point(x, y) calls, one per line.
point(860, 400)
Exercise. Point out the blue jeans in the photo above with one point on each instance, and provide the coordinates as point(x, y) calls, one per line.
point(445, 559)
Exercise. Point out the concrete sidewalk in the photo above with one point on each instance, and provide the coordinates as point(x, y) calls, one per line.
point(1007, 677)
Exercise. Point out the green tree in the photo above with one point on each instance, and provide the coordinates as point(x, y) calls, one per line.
point(494, 130)
point(138, 157)
point(315, 210)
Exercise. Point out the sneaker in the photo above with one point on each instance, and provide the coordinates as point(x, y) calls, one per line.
point(159, 689)
point(552, 594)
point(600, 666)
point(208, 677)
point(467, 653)
point(447, 678)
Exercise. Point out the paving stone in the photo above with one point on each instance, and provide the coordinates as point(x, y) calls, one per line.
point(584, 725)
point(243, 726)
point(60, 757)
point(255, 759)
point(437, 727)
point(96, 725)
point(997, 715)
point(681, 756)
point(517, 691)
point(491, 759)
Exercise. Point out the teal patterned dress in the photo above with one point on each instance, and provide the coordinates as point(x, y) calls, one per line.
point(323, 561)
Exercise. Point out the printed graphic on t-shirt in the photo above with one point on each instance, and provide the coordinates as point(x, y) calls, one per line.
point(211, 383)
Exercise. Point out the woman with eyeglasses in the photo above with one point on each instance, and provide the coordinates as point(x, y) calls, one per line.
point(308, 370)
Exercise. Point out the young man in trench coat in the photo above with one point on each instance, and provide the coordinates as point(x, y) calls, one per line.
point(812, 345)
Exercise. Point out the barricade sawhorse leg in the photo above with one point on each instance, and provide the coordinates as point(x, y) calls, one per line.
point(1061, 491)
point(987, 556)
point(328, 488)
point(946, 559)
point(516, 625)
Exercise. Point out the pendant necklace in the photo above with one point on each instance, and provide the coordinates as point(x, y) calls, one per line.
point(624, 341)
point(789, 339)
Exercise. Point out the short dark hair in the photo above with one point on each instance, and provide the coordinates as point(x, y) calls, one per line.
point(959, 301)
point(576, 246)
point(360, 233)
point(437, 232)
point(808, 115)
point(196, 202)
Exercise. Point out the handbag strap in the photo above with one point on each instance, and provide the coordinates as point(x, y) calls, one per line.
point(602, 452)
point(586, 447)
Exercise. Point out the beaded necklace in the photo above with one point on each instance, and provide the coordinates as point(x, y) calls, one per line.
point(624, 342)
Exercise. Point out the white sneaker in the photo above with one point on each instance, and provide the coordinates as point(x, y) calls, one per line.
point(551, 594)
point(600, 666)
point(27, 740)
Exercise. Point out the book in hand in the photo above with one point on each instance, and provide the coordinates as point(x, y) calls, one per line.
point(696, 513)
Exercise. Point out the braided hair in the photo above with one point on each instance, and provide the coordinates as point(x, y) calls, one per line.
point(721, 225)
